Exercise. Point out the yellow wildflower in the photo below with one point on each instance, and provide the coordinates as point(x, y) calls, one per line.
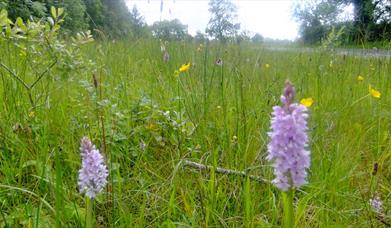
point(307, 102)
point(360, 78)
point(374, 93)
point(267, 65)
point(176, 73)
point(31, 114)
point(184, 68)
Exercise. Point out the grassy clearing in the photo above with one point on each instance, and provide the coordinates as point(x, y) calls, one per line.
point(146, 120)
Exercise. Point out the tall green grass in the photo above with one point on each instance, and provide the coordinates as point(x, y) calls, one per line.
point(147, 120)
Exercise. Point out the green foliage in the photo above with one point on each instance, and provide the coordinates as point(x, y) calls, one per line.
point(95, 14)
point(146, 122)
point(371, 22)
point(333, 38)
point(137, 19)
point(24, 9)
point(317, 19)
point(75, 16)
point(169, 30)
point(222, 25)
point(215, 115)
point(200, 37)
point(117, 18)
point(257, 38)
point(110, 17)
point(139, 26)
point(40, 50)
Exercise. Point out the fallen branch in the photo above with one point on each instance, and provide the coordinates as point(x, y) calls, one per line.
point(222, 170)
point(383, 220)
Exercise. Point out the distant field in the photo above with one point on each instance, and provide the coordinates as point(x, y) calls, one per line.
point(147, 120)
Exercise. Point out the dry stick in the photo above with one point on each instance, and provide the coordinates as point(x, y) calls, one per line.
point(25, 85)
point(224, 171)
point(13, 74)
point(383, 220)
point(43, 73)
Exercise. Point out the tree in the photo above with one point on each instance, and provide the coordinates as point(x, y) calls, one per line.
point(317, 18)
point(95, 14)
point(371, 22)
point(117, 18)
point(363, 19)
point(169, 30)
point(382, 12)
point(222, 24)
point(138, 22)
point(75, 16)
point(111, 17)
point(136, 17)
point(200, 37)
point(257, 38)
point(244, 36)
point(24, 9)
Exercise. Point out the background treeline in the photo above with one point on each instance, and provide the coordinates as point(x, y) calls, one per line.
point(110, 17)
point(326, 22)
point(324, 19)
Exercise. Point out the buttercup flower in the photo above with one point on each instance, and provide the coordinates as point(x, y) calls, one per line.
point(307, 102)
point(93, 173)
point(184, 68)
point(374, 93)
point(360, 78)
point(288, 142)
point(267, 65)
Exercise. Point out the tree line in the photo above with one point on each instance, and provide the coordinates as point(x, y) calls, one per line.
point(320, 19)
point(111, 17)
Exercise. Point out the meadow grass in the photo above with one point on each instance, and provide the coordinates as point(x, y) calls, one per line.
point(146, 121)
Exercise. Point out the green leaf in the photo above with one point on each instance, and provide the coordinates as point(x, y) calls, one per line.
point(53, 11)
point(60, 11)
point(20, 24)
point(51, 21)
point(3, 17)
point(8, 30)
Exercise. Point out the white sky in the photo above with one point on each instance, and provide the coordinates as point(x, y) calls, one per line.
point(270, 18)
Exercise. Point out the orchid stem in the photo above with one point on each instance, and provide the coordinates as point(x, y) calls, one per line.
point(289, 218)
point(89, 203)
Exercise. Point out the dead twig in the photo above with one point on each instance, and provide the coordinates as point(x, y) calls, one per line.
point(223, 170)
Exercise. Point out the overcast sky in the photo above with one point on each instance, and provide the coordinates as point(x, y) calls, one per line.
point(271, 18)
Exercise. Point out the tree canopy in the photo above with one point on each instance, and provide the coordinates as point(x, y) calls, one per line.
point(371, 20)
point(169, 30)
point(111, 17)
point(222, 23)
